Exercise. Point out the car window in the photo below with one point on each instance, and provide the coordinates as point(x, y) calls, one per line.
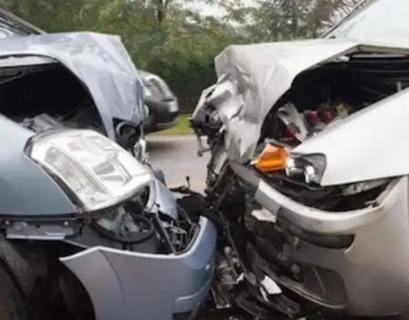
point(376, 20)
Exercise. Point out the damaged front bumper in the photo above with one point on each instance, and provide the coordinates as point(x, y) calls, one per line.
point(126, 285)
point(366, 249)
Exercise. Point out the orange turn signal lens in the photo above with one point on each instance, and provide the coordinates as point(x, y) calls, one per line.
point(273, 158)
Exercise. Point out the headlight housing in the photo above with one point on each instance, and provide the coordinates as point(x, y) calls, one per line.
point(275, 158)
point(97, 171)
point(312, 166)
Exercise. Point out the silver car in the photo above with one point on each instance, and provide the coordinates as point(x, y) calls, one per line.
point(308, 138)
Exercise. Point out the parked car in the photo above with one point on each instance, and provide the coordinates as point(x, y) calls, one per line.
point(161, 102)
point(88, 229)
point(309, 170)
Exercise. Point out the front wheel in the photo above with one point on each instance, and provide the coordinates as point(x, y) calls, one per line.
point(12, 305)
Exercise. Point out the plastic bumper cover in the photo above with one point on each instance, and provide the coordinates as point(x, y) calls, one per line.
point(127, 285)
point(374, 267)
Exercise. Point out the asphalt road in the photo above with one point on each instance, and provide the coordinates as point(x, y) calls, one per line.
point(177, 158)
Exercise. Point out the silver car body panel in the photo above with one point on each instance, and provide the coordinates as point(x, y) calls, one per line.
point(252, 79)
point(375, 268)
point(26, 189)
point(146, 286)
point(319, 221)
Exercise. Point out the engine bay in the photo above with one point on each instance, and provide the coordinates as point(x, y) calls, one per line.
point(137, 226)
point(46, 96)
point(49, 96)
point(332, 92)
point(320, 98)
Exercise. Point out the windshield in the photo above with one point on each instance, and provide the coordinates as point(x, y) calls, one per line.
point(376, 20)
point(7, 31)
point(13, 26)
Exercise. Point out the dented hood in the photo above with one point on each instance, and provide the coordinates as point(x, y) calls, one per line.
point(100, 61)
point(255, 77)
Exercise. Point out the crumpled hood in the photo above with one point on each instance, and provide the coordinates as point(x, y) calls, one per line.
point(258, 75)
point(100, 61)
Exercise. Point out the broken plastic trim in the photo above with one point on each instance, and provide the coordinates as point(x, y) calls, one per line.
point(328, 242)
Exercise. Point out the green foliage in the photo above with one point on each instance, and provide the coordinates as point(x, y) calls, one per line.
point(160, 35)
point(165, 38)
point(275, 20)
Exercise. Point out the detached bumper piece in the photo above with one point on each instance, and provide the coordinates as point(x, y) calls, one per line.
point(126, 285)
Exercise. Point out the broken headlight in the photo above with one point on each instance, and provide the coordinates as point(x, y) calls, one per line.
point(312, 167)
point(277, 158)
point(97, 171)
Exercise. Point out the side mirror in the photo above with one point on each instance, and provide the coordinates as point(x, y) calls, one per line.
point(131, 137)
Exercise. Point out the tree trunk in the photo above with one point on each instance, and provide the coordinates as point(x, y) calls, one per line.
point(161, 7)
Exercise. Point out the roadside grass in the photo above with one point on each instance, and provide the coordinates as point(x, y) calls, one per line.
point(182, 127)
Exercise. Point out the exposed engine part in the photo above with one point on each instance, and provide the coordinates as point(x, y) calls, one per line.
point(299, 126)
point(319, 99)
point(59, 110)
point(333, 91)
point(293, 121)
point(42, 122)
point(136, 226)
point(125, 227)
point(255, 292)
point(54, 99)
point(227, 276)
point(239, 283)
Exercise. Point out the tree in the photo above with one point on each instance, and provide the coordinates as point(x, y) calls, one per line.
point(274, 20)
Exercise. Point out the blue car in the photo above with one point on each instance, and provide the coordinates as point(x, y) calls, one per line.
point(89, 229)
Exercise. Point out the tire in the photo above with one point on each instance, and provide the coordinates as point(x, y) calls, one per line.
point(12, 305)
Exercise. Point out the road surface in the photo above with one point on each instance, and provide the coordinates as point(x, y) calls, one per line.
point(177, 157)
